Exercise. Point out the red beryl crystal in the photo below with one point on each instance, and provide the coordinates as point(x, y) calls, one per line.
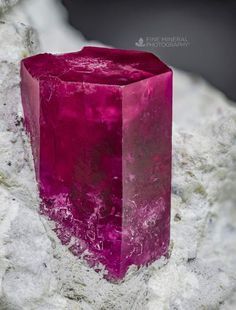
point(100, 127)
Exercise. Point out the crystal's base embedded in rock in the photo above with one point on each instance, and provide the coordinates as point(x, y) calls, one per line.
point(100, 128)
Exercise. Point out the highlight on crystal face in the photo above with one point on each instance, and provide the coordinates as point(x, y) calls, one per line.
point(99, 122)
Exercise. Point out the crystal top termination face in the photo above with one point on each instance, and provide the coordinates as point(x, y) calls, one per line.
point(100, 127)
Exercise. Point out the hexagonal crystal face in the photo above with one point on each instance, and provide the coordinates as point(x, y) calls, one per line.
point(100, 128)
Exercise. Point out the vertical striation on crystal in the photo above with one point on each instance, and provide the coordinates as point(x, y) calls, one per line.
point(100, 127)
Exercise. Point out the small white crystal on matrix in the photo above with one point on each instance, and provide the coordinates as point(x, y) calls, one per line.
point(38, 273)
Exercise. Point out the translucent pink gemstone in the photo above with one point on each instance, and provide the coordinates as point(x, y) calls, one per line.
point(100, 127)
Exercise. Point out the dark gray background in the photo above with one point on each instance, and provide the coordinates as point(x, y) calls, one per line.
point(208, 26)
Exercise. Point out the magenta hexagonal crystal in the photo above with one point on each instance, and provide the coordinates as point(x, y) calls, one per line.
point(100, 127)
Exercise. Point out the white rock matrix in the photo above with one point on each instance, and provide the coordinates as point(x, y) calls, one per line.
point(38, 273)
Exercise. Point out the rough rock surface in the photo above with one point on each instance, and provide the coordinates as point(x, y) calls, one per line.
point(37, 272)
point(6, 5)
point(54, 33)
point(17, 41)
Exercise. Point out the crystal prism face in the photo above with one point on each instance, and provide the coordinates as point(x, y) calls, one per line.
point(100, 127)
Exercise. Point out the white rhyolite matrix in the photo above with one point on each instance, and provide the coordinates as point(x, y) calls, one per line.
point(38, 273)
point(6, 4)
